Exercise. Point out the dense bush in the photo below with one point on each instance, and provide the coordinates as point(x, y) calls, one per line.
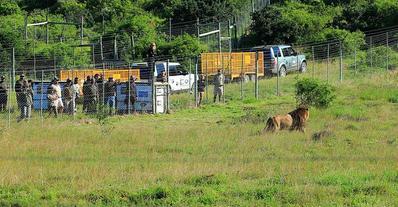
point(311, 92)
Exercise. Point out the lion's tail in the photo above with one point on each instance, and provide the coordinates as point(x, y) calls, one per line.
point(270, 125)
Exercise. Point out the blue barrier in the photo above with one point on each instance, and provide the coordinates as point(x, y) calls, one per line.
point(40, 100)
point(144, 97)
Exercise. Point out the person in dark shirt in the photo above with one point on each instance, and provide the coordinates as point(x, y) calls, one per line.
point(131, 97)
point(110, 95)
point(201, 88)
point(18, 91)
point(3, 94)
point(86, 98)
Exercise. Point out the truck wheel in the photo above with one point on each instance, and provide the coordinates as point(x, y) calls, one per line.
point(303, 67)
point(282, 71)
point(246, 78)
point(253, 78)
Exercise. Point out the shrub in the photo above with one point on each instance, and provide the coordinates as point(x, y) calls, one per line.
point(311, 92)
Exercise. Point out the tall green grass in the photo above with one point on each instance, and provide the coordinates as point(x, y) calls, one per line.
point(214, 155)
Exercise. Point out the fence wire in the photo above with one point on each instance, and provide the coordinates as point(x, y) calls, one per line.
point(106, 86)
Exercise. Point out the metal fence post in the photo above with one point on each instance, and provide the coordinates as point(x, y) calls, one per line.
point(169, 29)
point(256, 78)
point(278, 75)
point(152, 75)
point(81, 29)
point(341, 62)
point(371, 52)
point(41, 97)
point(207, 78)
point(355, 60)
point(102, 53)
point(388, 51)
point(11, 88)
point(168, 87)
point(327, 63)
point(115, 52)
point(55, 65)
point(13, 69)
point(241, 76)
point(196, 81)
point(313, 62)
point(129, 93)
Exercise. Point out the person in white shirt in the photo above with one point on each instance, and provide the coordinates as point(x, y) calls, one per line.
point(57, 88)
point(75, 93)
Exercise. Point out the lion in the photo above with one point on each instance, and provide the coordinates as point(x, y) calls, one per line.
point(294, 120)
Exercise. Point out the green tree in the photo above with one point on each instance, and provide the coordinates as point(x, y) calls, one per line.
point(8, 7)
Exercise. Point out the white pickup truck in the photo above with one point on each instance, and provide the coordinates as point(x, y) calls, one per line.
point(178, 80)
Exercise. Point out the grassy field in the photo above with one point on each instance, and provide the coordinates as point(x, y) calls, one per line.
point(213, 156)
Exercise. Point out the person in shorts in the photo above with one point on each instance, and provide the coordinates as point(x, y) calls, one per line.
point(53, 102)
point(57, 87)
point(201, 88)
point(218, 86)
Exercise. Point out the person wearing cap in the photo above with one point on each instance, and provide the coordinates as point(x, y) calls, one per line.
point(101, 89)
point(151, 59)
point(110, 95)
point(218, 86)
point(75, 94)
point(18, 91)
point(52, 102)
point(57, 87)
point(3, 94)
point(92, 95)
point(86, 98)
point(26, 98)
point(68, 97)
point(201, 88)
point(131, 97)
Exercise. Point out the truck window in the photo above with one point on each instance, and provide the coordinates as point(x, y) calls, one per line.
point(276, 51)
point(286, 52)
point(160, 68)
point(173, 70)
point(292, 52)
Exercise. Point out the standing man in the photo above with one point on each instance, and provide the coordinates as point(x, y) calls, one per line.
point(3, 94)
point(57, 87)
point(68, 97)
point(110, 95)
point(75, 94)
point(201, 88)
point(86, 97)
point(101, 89)
point(219, 86)
point(92, 97)
point(26, 100)
point(18, 92)
point(131, 94)
point(151, 55)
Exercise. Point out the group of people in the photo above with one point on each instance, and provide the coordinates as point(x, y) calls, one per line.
point(24, 94)
point(97, 94)
point(218, 81)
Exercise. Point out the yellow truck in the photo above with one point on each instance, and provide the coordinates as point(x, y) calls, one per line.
point(121, 75)
point(235, 65)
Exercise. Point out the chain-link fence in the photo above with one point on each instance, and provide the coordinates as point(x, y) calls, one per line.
point(98, 84)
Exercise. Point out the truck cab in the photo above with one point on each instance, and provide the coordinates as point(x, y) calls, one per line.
point(178, 79)
point(282, 59)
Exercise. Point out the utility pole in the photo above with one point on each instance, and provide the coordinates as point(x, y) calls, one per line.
point(47, 30)
point(169, 29)
point(26, 27)
point(81, 29)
